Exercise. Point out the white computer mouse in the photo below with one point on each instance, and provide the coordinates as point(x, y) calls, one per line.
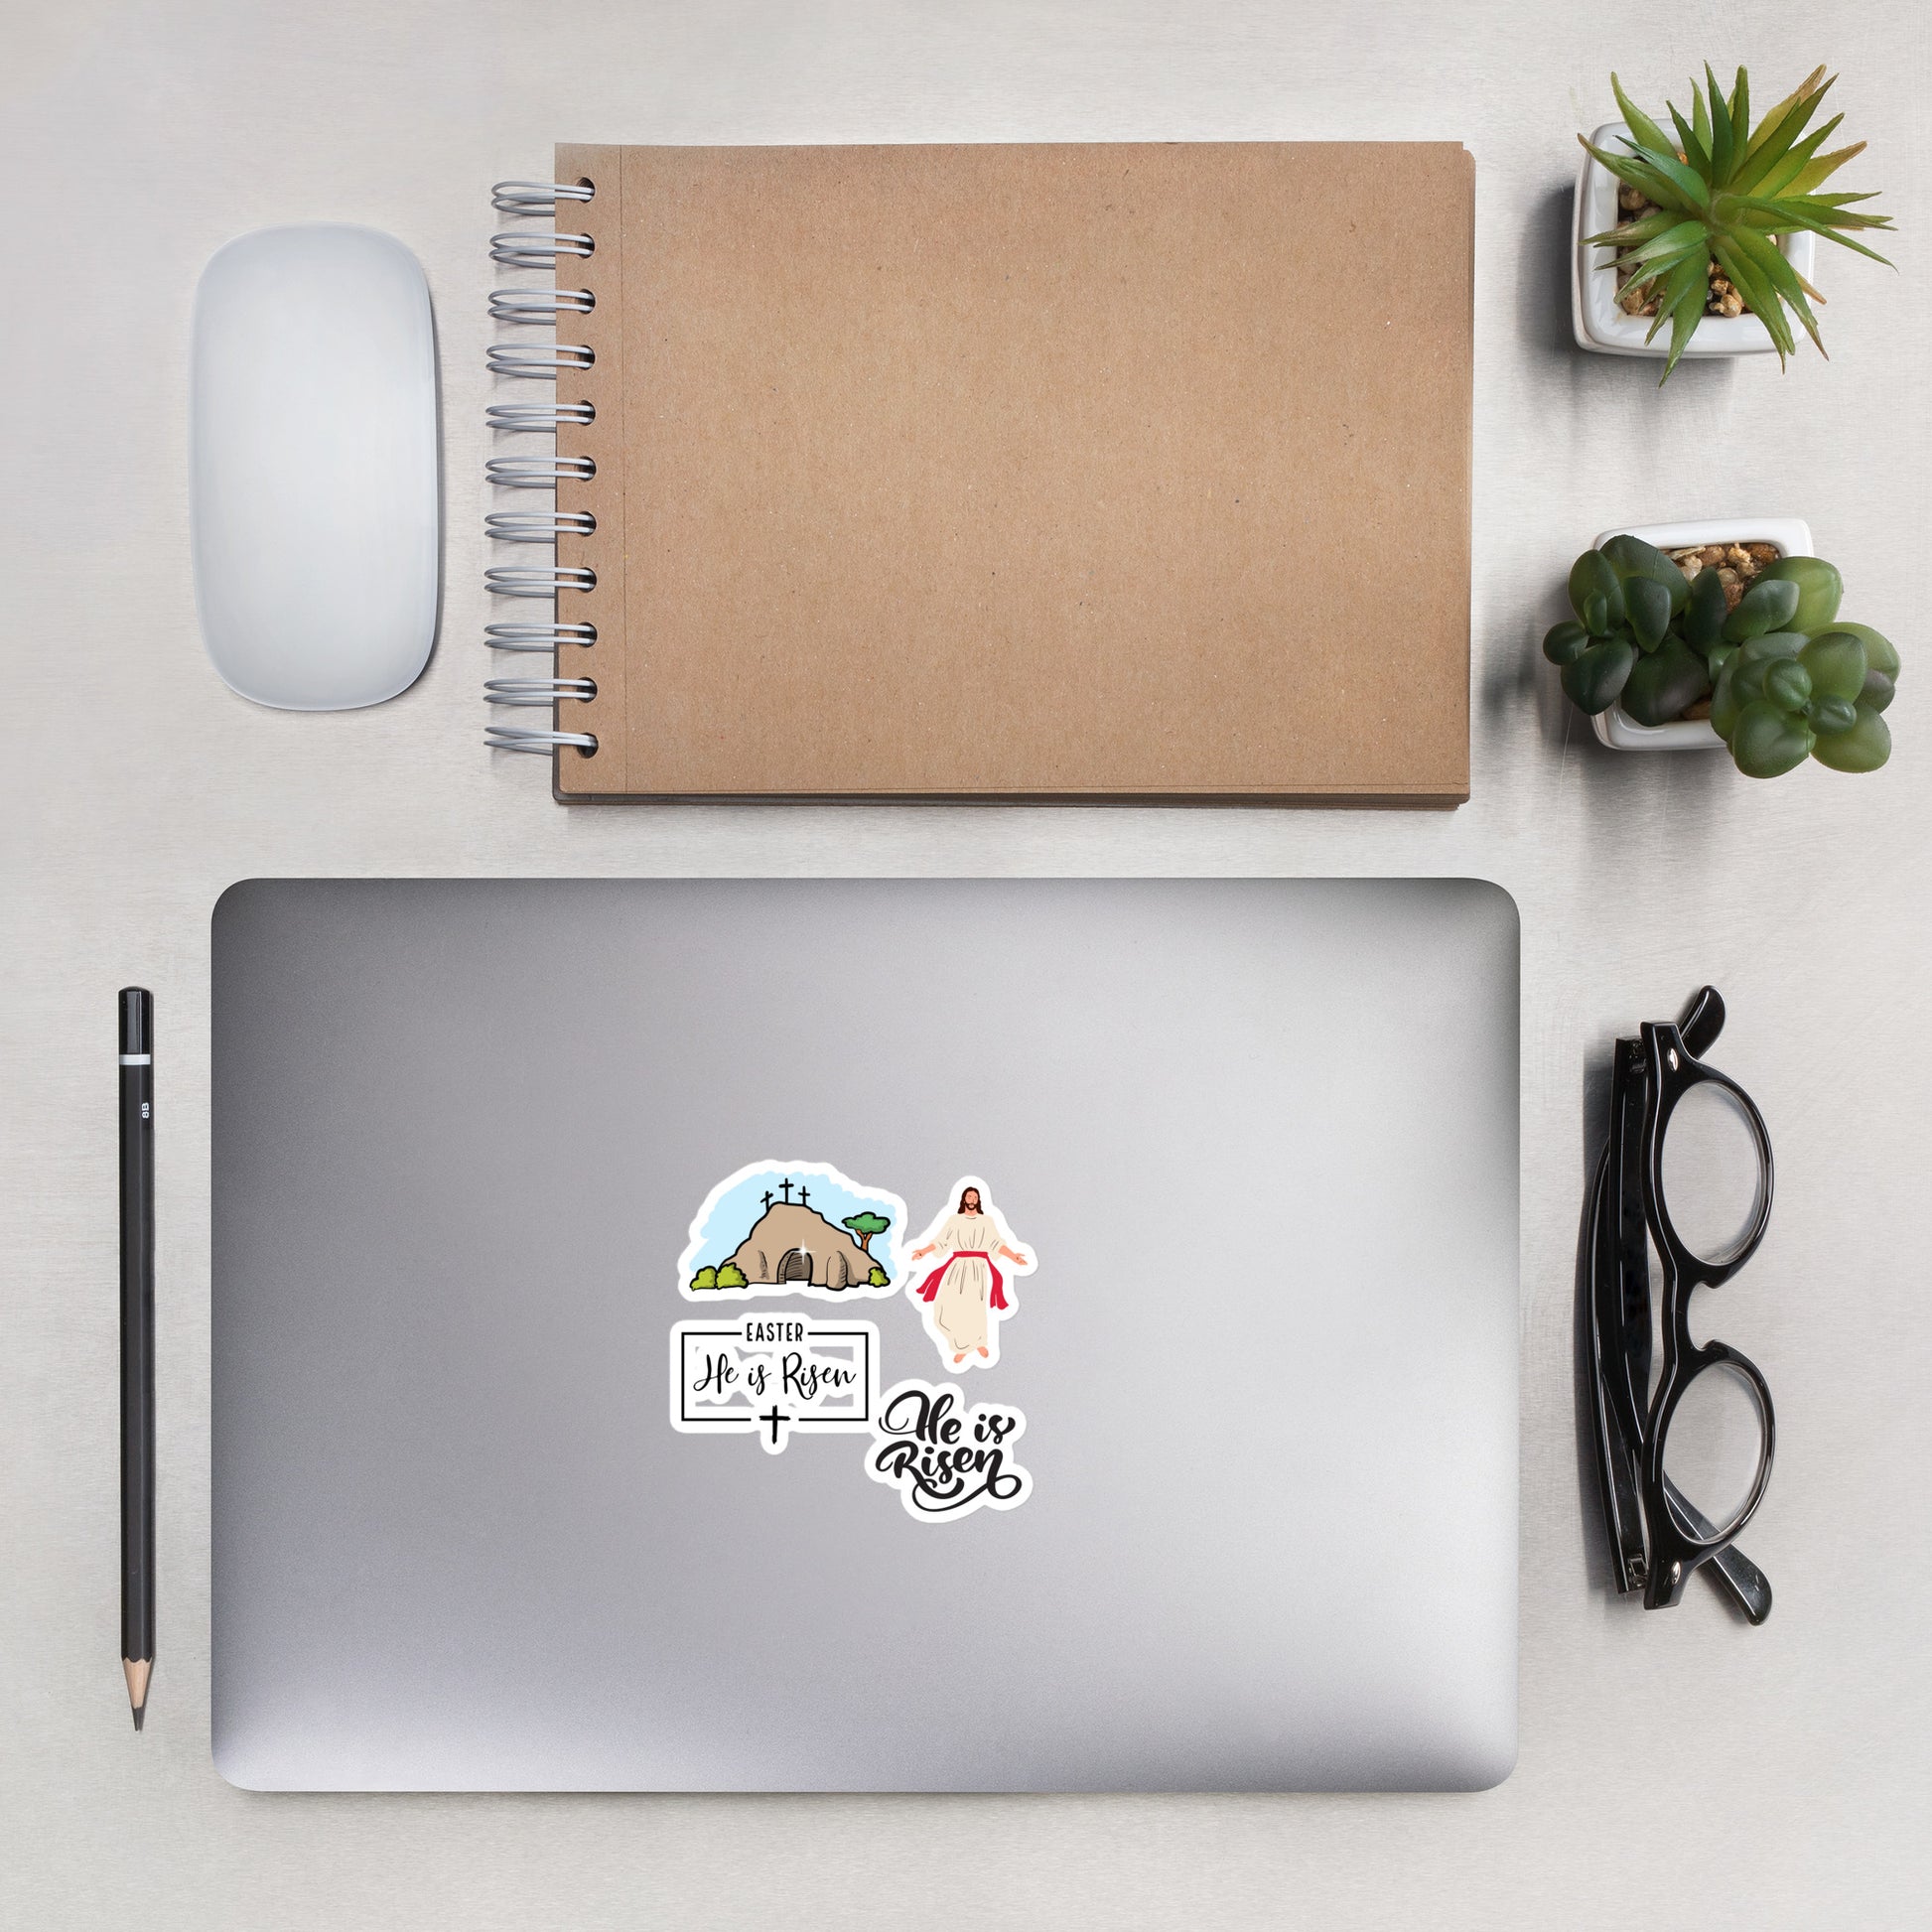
point(312, 466)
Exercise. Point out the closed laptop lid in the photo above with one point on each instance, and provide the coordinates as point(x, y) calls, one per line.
point(864, 1334)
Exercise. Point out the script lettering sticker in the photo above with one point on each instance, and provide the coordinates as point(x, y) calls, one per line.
point(946, 1460)
point(769, 1374)
point(795, 1227)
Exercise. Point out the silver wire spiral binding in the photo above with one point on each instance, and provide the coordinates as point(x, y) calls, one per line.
point(527, 200)
point(534, 580)
point(538, 472)
point(537, 526)
point(519, 738)
point(539, 306)
point(537, 636)
point(523, 308)
point(516, 248)
point(538, 364)
point(530, 691)
point(513, 418)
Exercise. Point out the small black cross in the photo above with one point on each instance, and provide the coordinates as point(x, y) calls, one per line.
point(787, 1190)
point(805, 1198)
point(767, 1197)
point(774, 1416)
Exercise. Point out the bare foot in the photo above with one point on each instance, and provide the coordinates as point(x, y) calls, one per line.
point(961, 1357)
point(983, 1356)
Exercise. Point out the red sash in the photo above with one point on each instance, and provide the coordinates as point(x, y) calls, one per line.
point(929, 1288)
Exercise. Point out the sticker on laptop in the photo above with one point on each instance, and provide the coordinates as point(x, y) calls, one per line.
point(795, 1227)
point(944, 1459)
point(967, 1296)
point(804, 1228)
point(769, 1374)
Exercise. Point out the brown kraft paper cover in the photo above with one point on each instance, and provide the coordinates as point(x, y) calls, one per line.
point(1102, 471)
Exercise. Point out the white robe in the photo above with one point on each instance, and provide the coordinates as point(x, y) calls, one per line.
point(959, 1310)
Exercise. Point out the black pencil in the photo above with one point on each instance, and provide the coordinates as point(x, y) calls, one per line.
point(137, 1344)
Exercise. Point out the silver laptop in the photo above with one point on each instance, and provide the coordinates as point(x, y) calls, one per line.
point(992, 1334)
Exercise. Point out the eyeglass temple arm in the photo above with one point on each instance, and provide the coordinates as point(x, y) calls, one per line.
point(1617, 1462)
point(1735, 1574)
point(1703, 1021)
point(1622, 1505)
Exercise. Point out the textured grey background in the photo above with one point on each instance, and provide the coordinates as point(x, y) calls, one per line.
point(1672, 1767)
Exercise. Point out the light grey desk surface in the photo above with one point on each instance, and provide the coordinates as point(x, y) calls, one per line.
point(1676, 1771)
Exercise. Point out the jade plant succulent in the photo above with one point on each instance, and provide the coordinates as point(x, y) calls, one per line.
point(1787, 679)
point(1712, 202)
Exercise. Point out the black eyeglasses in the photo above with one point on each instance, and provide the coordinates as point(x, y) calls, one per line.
point(1682, 1466)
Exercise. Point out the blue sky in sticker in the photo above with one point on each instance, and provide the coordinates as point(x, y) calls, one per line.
point(740, 1208)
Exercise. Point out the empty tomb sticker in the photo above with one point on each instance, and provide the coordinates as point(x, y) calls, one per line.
point(795, 1227)
point(750, 1365)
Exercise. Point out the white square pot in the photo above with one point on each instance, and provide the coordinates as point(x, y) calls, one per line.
point(1598, 324)
point(1791, 537)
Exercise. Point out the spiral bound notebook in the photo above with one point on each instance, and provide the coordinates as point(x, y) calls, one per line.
point(1034, 472)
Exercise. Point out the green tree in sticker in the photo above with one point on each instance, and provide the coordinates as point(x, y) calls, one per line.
point(865, 1227)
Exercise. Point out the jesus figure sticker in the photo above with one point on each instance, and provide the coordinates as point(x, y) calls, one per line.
point(966, 1297)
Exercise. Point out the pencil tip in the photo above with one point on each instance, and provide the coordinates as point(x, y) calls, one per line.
point(137, 1669)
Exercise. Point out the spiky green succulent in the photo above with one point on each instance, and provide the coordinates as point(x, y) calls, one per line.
point(1787, 679)
point(1724, 191)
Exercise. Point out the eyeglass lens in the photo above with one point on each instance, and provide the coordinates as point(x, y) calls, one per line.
point(1712, 1449)
point(1712, 1176)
